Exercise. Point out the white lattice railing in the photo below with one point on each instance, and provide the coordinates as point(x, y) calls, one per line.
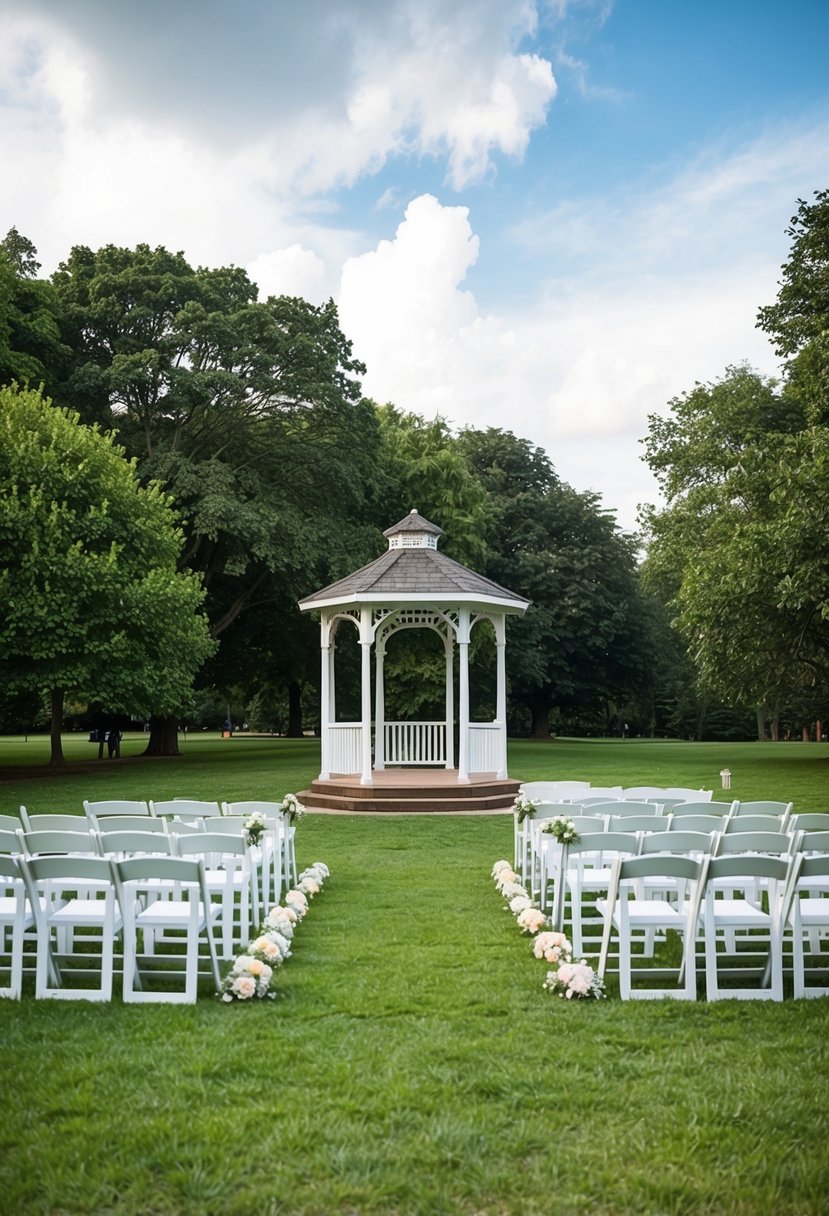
point(484, 747)
point(414, 742)
point(345, 740)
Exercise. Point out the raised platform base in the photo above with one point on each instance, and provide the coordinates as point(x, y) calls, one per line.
point(412, 792)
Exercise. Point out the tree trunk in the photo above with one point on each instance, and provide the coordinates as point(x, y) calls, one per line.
point(806, 734)
point(818, 731)
point(540, 725)
point(56, 698)
point(294, 710)
point(774, 728)
point(163, 740)
point(761, 724)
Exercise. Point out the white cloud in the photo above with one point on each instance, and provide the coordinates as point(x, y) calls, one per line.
point(290, 272)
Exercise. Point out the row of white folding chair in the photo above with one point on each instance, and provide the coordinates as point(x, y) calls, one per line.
point(231, 871)
point(702, 910)
point(279, 843)
point(120, 898)
point(530, 865)
point(583, 869)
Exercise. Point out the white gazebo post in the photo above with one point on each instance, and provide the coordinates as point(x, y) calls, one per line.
point(450, 698)
point(463, 695)
point(379, 708)
point(499, 623)
point(365, 681)
point(325, 697)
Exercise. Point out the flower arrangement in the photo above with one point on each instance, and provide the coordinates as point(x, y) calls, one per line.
point(292, 809)
point(252, 974)
point(571, 980)
point(524, 807)
point(575, 981)
point(253, 827)
point(562, 829)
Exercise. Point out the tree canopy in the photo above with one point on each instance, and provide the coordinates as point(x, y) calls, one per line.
point(91, 599)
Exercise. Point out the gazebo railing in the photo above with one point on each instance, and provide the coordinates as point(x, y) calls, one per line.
point(414, 742)
point(484, 747)
point(345, 740)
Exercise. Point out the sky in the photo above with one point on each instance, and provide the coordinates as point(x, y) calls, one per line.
point(550, 216)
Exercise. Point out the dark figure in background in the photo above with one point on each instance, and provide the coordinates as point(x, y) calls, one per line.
point(113, 744)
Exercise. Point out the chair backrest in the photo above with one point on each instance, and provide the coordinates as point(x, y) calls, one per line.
point(230, 825)
point(720, 809)
point(810, 821)
point(549, 810)
point(661, 866)
point(813, 842)
point(115, 807)
point(697, 823)
point(201, 843)
point(762, 808)
point(55, 823)
point(84, 842)
point(11, 843)
point(136, 842)
point(776, 843)
point(10, 823)
point(154, 869)
point(687, 794)
point(249, 807)
point(619, 807)
point(606, 843)
point(637, 823)
point(677, 842)
point(752, 823)
point(10, 870)
point(589, 825)
point(813, 867)
point(641, 793)
point(47, 869)
point(130, 823)
point(601, 793)
point(551, 791)
point(185, 808)
point(747, 865)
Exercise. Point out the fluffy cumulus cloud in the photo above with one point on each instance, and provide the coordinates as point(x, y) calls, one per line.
point(184, 125)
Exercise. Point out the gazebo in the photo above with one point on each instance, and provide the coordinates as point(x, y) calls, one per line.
point(412, 586)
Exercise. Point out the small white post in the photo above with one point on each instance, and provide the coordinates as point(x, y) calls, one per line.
point(365, 645)
point(325, 686)
point(450, 698)
point(501, 695)
point(463, 695)
point(379, 709)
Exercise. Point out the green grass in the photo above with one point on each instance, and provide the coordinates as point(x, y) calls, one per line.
point(412, 1063)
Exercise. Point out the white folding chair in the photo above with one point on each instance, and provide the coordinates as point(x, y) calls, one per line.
point(228, 875)
point(278, 862)
point(143, 884)
point(188, 810)
point(627, 911)
point(16, 916)
point(760, 929)
point(94, 906)
point(116, 806)
point(782, 810)
point(586, 869)
point(808, 915)
point(550, 852)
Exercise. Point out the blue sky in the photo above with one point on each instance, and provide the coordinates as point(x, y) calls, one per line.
point(546, 215)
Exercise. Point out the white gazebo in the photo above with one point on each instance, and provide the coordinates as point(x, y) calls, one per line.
point(412, 586)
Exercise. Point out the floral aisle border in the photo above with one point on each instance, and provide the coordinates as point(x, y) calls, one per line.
point(253, 973)
point(569, 979)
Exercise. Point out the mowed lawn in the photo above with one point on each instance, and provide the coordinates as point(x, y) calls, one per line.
point(412, 1063)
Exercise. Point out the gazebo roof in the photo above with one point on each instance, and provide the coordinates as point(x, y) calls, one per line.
point(413, 572)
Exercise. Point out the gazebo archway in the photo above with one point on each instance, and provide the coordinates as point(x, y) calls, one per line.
point(412, 586)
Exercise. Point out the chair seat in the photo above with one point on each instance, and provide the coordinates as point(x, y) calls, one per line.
point(813, 910)
point(82, 913)
point(168, 913)
point(739, 912)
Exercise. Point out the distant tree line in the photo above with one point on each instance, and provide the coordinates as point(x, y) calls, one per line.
point(220, 461)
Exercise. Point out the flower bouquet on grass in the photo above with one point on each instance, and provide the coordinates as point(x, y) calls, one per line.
point(575, 981)
point(531, 920)
point(561, 829)
point(292, 809)
point(552, 947)
point(252, 974)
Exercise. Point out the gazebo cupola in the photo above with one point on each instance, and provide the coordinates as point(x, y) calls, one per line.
point(412, 586)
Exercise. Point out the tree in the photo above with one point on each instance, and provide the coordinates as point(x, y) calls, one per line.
point(740, 551)
point(32, 349)
point(582, 643)
point(90, 596)
point(248, 412)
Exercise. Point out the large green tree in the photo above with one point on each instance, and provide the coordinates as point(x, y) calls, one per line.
point(91, 600)
point(32, 349)
point(583, 644)
point(249, 412)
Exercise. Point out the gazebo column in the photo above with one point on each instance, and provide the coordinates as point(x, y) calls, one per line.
point(463, 695)
point(501, 694)
point(365, 684)
point(379, 709)
point(450, 697)
point(325, 697)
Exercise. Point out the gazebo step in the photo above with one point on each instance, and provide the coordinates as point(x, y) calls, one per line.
point(410, 797)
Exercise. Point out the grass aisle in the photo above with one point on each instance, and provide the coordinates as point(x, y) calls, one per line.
point(413, 1065)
